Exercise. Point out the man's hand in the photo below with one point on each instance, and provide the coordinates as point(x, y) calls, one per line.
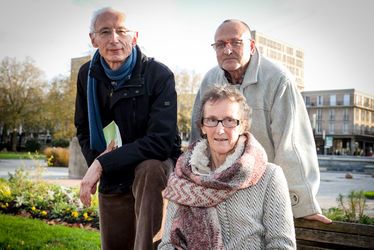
point(318, 217)
point(92, 176)
point(89, 181)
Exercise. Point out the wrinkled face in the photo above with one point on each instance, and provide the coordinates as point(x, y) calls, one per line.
point(222, 140)
point(112, 39)
point(234, 55)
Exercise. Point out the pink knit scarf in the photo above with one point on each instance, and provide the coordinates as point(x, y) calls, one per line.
point(196, 224)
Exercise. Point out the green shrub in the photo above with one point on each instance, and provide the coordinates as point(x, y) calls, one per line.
point(32, 145)
point(335, 214)
point(57, 156)
point(39, 199)
point(351, 209)
point(60, 143)
point(369, 195)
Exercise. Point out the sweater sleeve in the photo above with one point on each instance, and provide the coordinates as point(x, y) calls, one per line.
point(166, 243)
point(277, 218)
point(294, 148)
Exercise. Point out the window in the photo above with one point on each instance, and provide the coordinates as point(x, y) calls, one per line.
point(362, 115)
point(331, 127)
point(332, 100)
point(307, 100)
point(299, 54)
point(332, 114)
point(314, 121)
point(345, 127)
point(346, 115)
point(299, 63)
point(346, 100)
point(319, 114)
point(366, 102)
point(319, 127)
point(319, 100)
point(289, 51)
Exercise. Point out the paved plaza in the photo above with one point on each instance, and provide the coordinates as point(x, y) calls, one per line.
point(332, 183)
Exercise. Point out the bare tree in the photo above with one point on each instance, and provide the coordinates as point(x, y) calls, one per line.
point(21, 95)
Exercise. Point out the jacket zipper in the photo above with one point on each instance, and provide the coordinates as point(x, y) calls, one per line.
point(134, 111)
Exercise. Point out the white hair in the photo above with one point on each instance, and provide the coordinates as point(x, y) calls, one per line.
point(97, 13)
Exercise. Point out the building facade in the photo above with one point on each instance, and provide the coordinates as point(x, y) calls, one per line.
point(75, 65)
point(342, 121)
point(283, 53)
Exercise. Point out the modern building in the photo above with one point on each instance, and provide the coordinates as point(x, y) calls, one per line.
point(286, 54)
point(342, 121)
point(76, 63)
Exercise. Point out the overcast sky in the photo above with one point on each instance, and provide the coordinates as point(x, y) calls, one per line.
point(337, 36)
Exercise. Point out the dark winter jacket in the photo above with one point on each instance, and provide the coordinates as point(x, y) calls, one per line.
point(145, 110)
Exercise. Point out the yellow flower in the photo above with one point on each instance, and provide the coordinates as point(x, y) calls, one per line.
point(33, 208)
point(50, 160)
point(44, 213)
point(74, 214)
point(4, 190)
point(4, 205)
point(85, 216)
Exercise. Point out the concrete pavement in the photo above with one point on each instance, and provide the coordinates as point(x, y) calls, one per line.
point(332, 183)
point(56, 175)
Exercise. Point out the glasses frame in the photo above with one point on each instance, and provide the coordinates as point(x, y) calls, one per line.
point(116, 30)
point(220, 121)
point(234, 43)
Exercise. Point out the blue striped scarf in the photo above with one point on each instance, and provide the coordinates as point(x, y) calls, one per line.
point(97, 140)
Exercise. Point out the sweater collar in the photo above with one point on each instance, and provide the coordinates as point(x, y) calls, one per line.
point(250, 75)
point(200, 157)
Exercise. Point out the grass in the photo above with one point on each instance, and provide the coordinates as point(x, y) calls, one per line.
point(20, 155)
point(369, 195)
point(25, 233)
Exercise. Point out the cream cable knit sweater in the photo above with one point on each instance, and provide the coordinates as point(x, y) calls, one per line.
point(258, 217)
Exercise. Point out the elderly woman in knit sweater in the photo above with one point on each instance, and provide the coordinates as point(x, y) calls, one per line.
point(223, 193)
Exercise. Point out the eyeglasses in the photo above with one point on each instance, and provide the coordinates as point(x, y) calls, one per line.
point(108, 32)
point(234, 43)
point(226, 122)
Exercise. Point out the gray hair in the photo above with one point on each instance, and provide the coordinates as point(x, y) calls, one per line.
point(226, 92)
point(97, 13)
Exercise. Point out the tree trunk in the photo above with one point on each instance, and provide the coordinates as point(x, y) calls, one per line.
point(14, 140)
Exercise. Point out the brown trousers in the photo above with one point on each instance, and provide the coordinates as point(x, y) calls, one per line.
point(133, 220)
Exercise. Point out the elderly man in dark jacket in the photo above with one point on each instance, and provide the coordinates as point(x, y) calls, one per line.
point(121, 85)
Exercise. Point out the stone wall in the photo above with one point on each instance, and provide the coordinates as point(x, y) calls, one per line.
point(77, 163)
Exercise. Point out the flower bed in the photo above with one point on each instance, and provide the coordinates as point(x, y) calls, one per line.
point(38, 199)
